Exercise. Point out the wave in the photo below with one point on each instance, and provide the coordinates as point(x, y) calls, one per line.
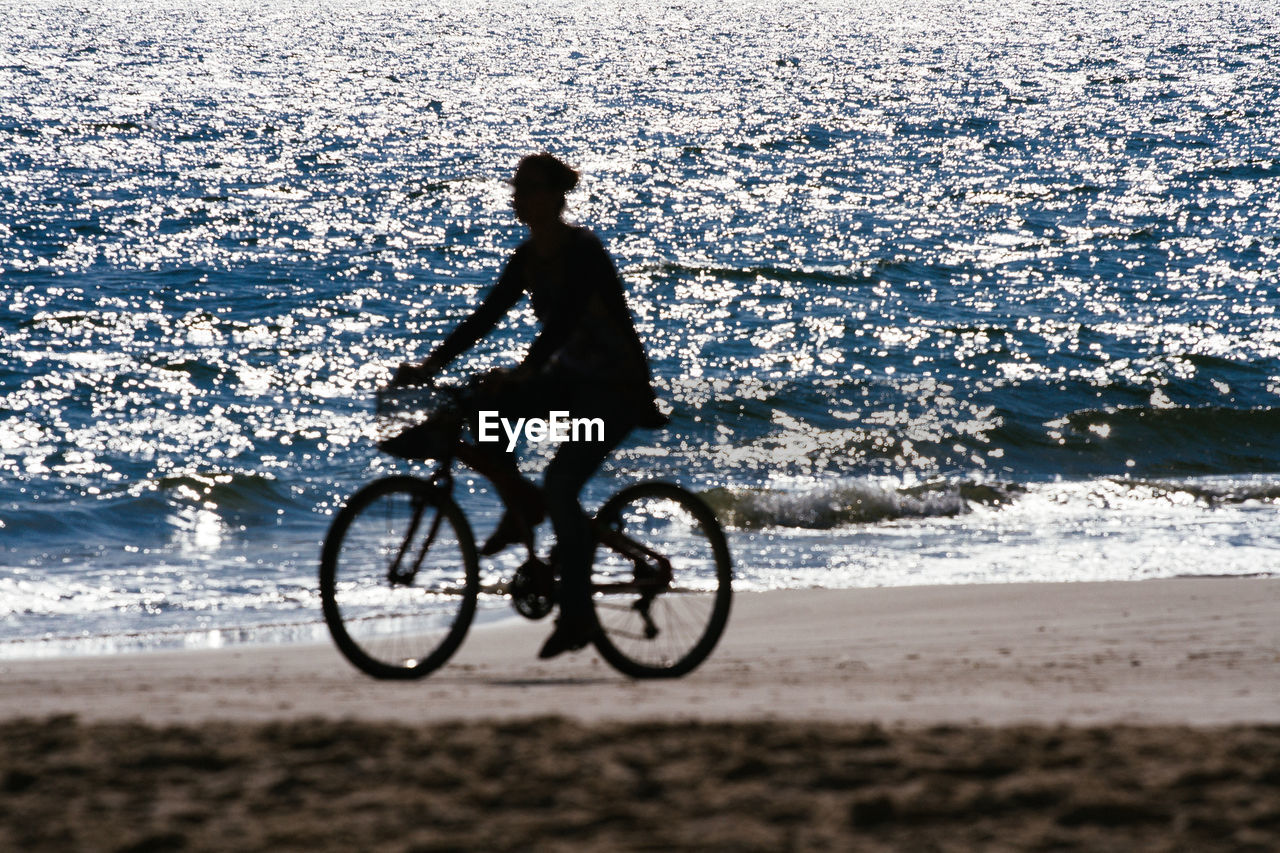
point(837, 275)
point(1209, 493)
point(801, 275)
point(852, 503)
point(147, 514)
point(776, 429)
point(241, 495)
point(867, 502)
point(1179, 440)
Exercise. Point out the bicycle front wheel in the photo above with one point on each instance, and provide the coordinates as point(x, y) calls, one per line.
point(399, 578)
point(662, 581)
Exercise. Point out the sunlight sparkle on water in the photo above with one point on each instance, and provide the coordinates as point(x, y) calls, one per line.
point(895, 245)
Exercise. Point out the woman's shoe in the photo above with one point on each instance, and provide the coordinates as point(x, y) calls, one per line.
point(517, 522)
point(567, 637)
point(510, 530)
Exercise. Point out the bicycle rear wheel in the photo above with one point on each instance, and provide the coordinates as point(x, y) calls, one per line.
point(399, 578)
point(662, 581)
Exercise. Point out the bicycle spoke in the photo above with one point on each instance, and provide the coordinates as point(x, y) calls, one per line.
point(664, 551)
point(389, 618)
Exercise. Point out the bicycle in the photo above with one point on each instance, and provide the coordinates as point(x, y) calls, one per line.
point(400, 576)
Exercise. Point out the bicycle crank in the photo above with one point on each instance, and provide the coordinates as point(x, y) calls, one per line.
point(533, 589)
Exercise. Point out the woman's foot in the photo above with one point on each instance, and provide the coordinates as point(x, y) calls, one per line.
point(517, 522)
point(512, 528)
point(568, 637)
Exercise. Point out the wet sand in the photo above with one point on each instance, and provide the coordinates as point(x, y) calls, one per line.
point(1048, 716)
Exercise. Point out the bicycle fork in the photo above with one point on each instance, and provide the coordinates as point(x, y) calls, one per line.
point(397, 573)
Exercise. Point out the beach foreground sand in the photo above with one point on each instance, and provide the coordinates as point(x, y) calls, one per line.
point(1049, 716)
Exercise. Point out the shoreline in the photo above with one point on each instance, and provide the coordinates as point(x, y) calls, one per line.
point(1199, 651)
point(304, 633)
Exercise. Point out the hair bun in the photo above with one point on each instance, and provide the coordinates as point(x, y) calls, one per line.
point(558, 175)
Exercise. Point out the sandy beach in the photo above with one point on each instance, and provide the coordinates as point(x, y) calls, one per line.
point(1193, 651)
point(1041, 716)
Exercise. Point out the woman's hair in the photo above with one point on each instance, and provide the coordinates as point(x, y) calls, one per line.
point(546, 168)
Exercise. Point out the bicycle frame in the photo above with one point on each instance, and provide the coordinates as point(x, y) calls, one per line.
point(375, 568)
point(653, 571)
point(396, 576)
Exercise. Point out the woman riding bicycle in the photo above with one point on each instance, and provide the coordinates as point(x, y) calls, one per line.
point(587, 360)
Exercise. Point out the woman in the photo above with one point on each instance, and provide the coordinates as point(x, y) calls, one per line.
point(587, 360)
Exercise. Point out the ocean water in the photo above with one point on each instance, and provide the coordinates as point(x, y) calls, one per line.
point(937, 292)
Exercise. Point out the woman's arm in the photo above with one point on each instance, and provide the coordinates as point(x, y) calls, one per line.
point(496, 304)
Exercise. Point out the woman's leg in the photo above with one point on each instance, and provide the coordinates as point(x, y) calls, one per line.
point(524, 508)
point(567, 473)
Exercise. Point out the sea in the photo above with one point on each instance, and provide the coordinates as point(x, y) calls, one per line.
point(936, 292)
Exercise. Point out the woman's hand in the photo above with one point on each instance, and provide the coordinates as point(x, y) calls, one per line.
point(495, 381)
point(414, 374)
point(500, 379)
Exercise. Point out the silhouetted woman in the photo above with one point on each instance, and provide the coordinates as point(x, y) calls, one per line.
point(587, 359)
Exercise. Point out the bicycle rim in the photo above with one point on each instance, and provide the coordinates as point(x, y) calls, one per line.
point(399, 578)
point(667, 634)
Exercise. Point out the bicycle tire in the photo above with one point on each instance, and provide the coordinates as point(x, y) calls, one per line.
point(692, 613)
point(410, 627)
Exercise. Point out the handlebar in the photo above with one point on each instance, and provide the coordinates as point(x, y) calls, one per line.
point(418, 400)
